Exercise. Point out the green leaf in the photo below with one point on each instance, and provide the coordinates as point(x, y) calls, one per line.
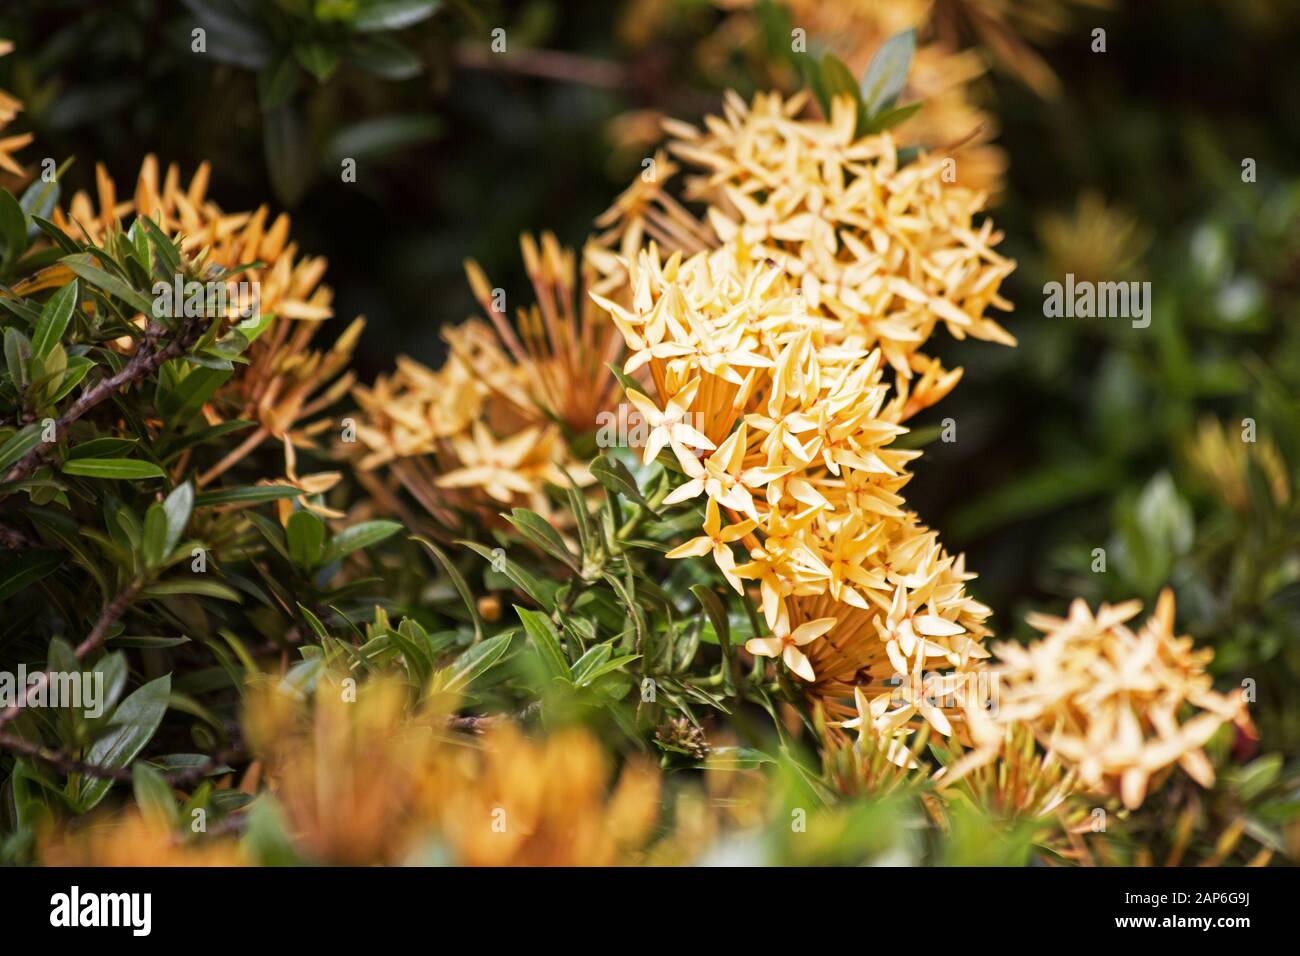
point(154, 797)
point(1031, 494)
point(178, 505)
point(245, 495)
point(106, 447)
point(358, 536)
point(39, 199)
point(194, 585)
point(306, 536)
point(713, 607)
point(19, 444)
point(128, 468)
point(277, 83)
point(83, 264)
point(1257, 776)
point(419, 665)
point(737, 758)
point(18, 350)
point(385, 58)
point(155, 536)
point(892, 117)
point(393, 14)
point(26, 569)
point(588, 662)
point(541, 591)
point(163, 245)
point(381, 135)
point(458, 581)
point(539, 531)
point(838, 81)
point(887, 74)
point(131, 728)
point(13, 226)
point(313, 622)
point(317, 59)
point(476, 661)
point(547, 641)
point(77, 368)
point(614, 476)
point(56, 235)
point(812, 75)
point(53, 319)
point(288, 159)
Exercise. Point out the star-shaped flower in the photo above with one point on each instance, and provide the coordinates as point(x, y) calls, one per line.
point(785, 643)
point(716, 540)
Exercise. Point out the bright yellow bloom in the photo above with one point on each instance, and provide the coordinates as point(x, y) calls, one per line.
point(785, 644)
point(715, 541)
point(781, 335)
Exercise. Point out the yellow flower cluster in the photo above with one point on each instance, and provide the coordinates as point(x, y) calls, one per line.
point(942, 77)
point(1117, 704)
point(493, 425)
point(767, 354)
point(890, 252)
point(360, 777)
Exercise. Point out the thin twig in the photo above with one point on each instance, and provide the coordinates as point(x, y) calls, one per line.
point(107, 617)
point(69, 765)
point(11, 539)
point(547, 64)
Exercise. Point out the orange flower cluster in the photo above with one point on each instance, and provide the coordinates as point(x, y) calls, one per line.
point(494, 425)
point(373, 780)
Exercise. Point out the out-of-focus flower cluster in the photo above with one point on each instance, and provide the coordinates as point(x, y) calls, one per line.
point(359, 777)
point(373, 780)
point(1118, 704)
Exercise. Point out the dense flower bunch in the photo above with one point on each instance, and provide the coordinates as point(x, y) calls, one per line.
point(496, 423)
point(890, 252)
point(767, 355)
point(1118, 704)
point(943, 77)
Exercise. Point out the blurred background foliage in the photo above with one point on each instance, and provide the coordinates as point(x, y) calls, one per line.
point(1123, 164)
